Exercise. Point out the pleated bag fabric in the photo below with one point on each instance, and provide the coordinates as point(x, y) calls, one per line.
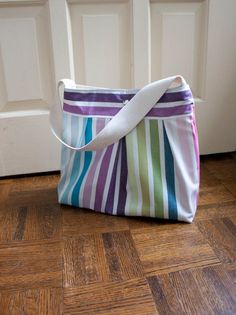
point(129, 152)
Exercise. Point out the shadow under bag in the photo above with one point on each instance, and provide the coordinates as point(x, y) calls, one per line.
point(128, 152)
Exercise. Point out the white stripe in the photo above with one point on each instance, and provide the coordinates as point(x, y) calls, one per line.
point(92, 89)
point(64, 152)
point(167, 118)
point(127, 203)
point(94, 104)
point(150, 168)
point(148, 118)
point(163, 169)
point(117, 185)
point(136, 169)
point(108, 178)
point(121, 104)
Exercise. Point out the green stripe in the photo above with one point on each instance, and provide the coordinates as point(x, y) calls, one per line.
point(143, 167)
point(156, 164)
point(133, 193)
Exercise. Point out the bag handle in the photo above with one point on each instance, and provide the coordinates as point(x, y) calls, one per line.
point(123, 122)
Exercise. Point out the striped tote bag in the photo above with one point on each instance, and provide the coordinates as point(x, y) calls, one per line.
point(128, 152)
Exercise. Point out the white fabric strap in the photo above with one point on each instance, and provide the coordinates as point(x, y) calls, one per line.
point(123, 122)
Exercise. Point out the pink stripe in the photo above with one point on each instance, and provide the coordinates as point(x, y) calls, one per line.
point(196, 148)
point(182, 129)
point(186, 145)
point(195, 140)
point(100, 124)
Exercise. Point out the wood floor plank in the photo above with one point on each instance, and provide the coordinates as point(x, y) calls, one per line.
point(8, 223)
point(208, 212)
point(43, 222)
point(230, 184)
point(75, 222)
point(84, 261)
point(30, 265)
point(32, 302)
point(221, 235)
point(187, 291)
point(231, 271)
point(143, 223)
point(34, 183)
point(215, 195)
point(217, 288)
point(222, 167)
point(4, 192)
point(127, 297)
point(96, 258)
point(170, 248)
point(30, 223)
point(32, 197)
point(207, 179)
point(206, 290)
point(164, 295)
point(120, 250)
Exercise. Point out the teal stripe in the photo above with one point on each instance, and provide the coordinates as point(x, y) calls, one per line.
point(87, 161)
point(77, 159)
point(170, 178)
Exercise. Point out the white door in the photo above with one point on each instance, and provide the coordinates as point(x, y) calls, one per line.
point(110, 43)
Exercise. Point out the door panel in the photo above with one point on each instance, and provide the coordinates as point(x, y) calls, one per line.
point(101, 43)
point(26, 89)
point(26, 72)
point(178, 38)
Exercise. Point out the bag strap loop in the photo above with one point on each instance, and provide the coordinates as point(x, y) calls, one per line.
point(123, 122)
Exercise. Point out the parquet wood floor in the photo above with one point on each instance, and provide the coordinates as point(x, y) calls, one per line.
point(60, 260)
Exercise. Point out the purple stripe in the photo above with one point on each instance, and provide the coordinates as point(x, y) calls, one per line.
point(170, 111)
point(102, 178)
point(123, 180)
point(97, 97)
point(120, 98)
point(111, 193)
point(112, 111)
point(176, 96)
point(90, 177)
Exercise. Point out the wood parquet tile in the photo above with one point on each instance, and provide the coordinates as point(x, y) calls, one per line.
point(59, 260)
point(75, 222)
point(172, 247)
point(32, 302)
point(127, 297)
point(30, 264)
point(206, 290)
